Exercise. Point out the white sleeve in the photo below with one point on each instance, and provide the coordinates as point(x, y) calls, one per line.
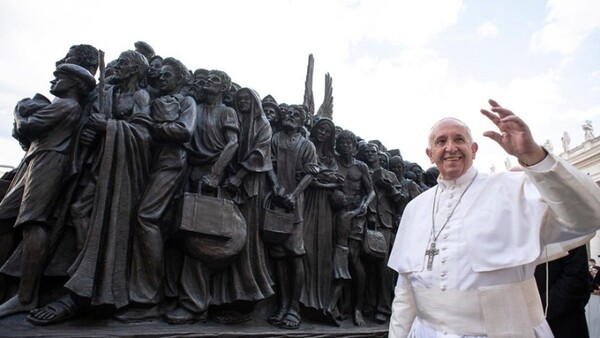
point(403, 308)
point(572, 197)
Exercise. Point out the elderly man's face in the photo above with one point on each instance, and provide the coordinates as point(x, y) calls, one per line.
point(293, 119)
point(124, 68)
point(451, 149)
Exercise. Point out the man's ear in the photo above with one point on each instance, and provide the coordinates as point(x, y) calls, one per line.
point(428, 152)
point(474, 148)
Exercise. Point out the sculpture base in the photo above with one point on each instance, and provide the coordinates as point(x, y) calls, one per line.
point(18, 326)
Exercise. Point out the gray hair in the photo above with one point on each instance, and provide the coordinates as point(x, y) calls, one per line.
point(435, 127)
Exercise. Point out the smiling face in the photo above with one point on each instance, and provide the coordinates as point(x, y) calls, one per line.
point(451, 148)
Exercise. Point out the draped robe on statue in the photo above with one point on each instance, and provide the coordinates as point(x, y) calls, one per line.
point(100, 272)
point(318, 231)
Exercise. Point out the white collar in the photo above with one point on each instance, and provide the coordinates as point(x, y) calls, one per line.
point(464, 179)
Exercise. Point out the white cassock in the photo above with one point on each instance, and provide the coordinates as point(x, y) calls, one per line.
point(481, 282)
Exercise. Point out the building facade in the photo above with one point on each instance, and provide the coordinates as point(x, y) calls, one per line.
point(586, 157)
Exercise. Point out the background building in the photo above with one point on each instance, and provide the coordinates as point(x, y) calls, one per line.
point(586, 157)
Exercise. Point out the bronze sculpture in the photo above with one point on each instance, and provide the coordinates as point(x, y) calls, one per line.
point(141, 144)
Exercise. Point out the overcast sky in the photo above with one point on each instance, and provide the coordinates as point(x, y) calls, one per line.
point(397, 66)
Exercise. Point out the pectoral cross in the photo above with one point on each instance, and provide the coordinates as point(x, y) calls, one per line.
point(430, 253)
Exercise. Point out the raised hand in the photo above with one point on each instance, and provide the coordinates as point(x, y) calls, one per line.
point(514, 136)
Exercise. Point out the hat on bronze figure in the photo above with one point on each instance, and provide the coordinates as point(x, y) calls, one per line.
point(78, 73)
point(145, 49)
point(270, 101)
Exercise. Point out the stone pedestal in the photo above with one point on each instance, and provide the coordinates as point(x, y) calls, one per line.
point(18, 326)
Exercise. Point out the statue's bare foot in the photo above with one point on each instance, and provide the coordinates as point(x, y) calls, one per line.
point(54, 312)
point(14, 305)
point(358, 318)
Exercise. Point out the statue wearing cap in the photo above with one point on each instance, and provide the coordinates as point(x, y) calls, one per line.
point(83, 78)
point(35, 192)
point(145, 49)
point(272, 111)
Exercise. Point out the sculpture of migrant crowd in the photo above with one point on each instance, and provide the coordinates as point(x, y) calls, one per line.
point(159, 192)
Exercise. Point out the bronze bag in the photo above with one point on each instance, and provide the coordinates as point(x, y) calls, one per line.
point(374, 244)
point(277, 224)
point(209, 216)
point(216, 229)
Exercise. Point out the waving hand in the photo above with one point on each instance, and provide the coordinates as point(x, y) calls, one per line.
point(514, 135)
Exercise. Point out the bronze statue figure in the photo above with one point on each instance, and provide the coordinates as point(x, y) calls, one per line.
point(319, 218)
point(236, 289)
point(293, 156)
point(174, 117)
point(32, 197)
point(213, 147)
point(356, 195)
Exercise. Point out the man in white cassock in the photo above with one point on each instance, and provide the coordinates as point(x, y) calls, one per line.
point(466, 250)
